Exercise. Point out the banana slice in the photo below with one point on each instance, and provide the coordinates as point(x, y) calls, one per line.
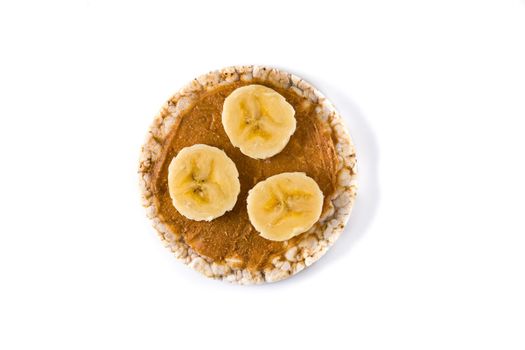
point(203, 182)
point(284, 205)
point(258, 120)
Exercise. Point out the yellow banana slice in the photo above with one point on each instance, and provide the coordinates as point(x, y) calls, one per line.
point(284, 205)
point(203, 182)
point(258, 120)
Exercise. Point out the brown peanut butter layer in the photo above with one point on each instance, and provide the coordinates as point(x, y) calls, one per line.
point(231, 237)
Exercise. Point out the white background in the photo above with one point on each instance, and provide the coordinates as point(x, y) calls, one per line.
point(433, 93)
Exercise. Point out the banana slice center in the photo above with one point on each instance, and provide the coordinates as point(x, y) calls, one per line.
point(286, 205)
point(256, 120)
point(201, 183)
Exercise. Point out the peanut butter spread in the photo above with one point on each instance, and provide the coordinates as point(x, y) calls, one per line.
point(231, 236)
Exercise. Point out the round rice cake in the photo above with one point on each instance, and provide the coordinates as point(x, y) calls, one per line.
point(228, 247)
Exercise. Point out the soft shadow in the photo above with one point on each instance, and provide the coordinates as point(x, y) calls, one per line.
point(368, 191)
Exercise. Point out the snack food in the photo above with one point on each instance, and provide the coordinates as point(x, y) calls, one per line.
point(229, 247)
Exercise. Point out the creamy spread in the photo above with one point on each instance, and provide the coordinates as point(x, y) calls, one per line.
point(231, 236)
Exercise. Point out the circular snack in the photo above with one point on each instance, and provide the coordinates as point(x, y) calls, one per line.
point(229, 247)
